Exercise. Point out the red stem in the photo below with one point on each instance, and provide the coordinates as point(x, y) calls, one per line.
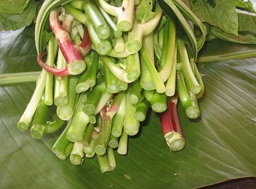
point(104, 114)
point(70, 51)
point(112, 110)
point(175, 116)
point(54, 71)
point(169, 119)
point(85, 45)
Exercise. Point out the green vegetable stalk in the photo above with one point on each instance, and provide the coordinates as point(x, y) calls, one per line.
point(108, 65)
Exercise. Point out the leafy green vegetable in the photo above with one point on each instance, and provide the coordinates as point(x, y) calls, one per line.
point(13, 7)
point(246, 38)
point(144, 11)
point(220, 145)
point(219, 13)
point(170, 174)
point(217, 49)
point(247, 21)
point(18, 20)
point(233, 21)
point(245, 5)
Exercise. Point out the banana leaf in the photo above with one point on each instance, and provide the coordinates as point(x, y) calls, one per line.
point(220, 145)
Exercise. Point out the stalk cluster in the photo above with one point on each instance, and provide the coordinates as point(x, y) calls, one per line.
point(106, 65)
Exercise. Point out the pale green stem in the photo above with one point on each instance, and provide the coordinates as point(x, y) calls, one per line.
point(15, 78)
point(147, 55)
point(51, 54)
point(168, 53)
point(123, 144)
point(61, 83)
point(124, 13)
point(26, 118)
point(171, 82)
point(186, 69)
point(131, 125)
point(77, 154)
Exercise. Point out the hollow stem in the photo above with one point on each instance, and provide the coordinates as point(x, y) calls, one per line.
point(142, 110)
point(168, 51)
point(61, 83)
point(111, 23)
point(187, 99)
point(39, 120)
point(26, 118)
point(111, 81)
point(186, 69)
point(111, 158)
point(158, 101)
point(129, 75)
point(131, 125)
point(72, 54)
point(101, 46)
point(171, 82)
point(171, 127)
point(118, 45)
point(118, 120)
point(123, 144)
point(77, 154)
point(104, 163)
point(104, 135)
point(62, 147)
point(51, 54)
point(54, 125)
point(15, 78)
point(139, 30)
point(147, 58)
point(96, 18)
point(78, 122)
point(135, 94)
point(113, 142)
point(93, 98)
point(124, 13)
point(132, 67)
point(66, 111)
point(88, 78)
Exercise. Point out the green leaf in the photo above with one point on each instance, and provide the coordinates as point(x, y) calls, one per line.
point(144, 11)
point(218, 13)
point(17, 51)
point(247, 21)
point(13, 7)
point(245, 5)
point(242, 38)
point(219, 146)
point(41, 20)
point(217, 50)
point(19, 20)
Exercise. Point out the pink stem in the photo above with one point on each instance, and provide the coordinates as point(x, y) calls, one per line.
point(169, 119)
point(104, 114)
point(69, 50)
point(54, 71)
point(175, 116)
point(85, 45)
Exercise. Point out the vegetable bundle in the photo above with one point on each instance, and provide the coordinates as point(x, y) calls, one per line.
point(106, 65)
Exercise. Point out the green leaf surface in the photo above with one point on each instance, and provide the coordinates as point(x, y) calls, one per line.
point(13, 6)
point(247, 21)
point(219, 146)
point(217, 49)
point(144, 11)
point(18, 20)
point(18, 52)
point(219, 13)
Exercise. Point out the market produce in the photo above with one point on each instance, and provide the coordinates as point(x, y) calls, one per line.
point(106, 65)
